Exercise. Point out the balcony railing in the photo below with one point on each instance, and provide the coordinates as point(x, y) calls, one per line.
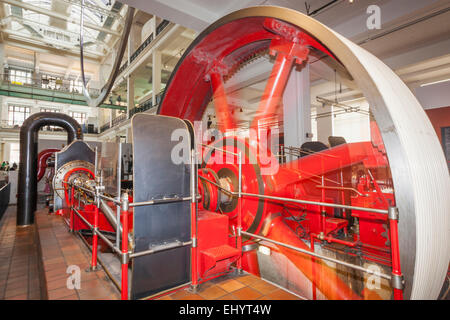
point(7, 124)
point(60, 91)
point(161, 26)
point(142, 107)
point(147, 105)
point(60, 85)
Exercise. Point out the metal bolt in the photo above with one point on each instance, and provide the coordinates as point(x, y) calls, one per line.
point(393, 213)
point(125, 203)
point(125, 257)
point(397, 281)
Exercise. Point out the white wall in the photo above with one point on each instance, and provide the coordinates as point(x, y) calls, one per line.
point(434, 96)
point(354, 127)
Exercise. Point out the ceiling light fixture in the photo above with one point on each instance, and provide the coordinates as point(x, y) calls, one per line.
point(434, 82)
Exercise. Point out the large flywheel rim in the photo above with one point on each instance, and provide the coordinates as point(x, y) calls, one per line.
point(419, 170)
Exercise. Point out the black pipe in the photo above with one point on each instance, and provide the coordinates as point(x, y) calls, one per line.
point(27, 180)
point(320, 9)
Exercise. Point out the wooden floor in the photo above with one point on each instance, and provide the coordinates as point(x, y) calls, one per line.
point(35, 262)
point(62, 251)
point(19, 275)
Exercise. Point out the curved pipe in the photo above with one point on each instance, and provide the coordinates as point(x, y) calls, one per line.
point(42, 161)
point(116, 66)
point(27, 180)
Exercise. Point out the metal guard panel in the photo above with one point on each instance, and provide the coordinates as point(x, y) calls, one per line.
point(77, 150)
point(155, 177)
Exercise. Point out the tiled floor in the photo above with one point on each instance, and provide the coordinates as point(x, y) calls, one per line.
point(233, 287)
point(21, 256)
point(61, 250)
point(19, 277)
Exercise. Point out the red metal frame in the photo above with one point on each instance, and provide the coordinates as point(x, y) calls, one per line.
point(72, 203)
point(395, 252)
point(42, 161)
point(287, 53)
point(95, 240)
point(225, 121)
point(239, 236)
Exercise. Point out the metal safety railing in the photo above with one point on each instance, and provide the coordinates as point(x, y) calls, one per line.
point(121, 247)
point(396, 278)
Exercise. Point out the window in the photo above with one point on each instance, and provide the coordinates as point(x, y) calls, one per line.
point(17, 115)
point(14, 153)
point(49, 110)
point(79, 116)
point(20, 77)
point(50, 128)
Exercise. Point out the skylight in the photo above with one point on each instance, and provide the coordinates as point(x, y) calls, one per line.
point(33, 23)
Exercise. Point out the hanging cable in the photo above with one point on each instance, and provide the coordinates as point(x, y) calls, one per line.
point(95, 103)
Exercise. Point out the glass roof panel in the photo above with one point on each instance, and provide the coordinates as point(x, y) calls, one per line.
point(42, 27)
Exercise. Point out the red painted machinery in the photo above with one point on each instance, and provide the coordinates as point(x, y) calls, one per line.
point(353, 175)
point(43, 157)
point(325, 222)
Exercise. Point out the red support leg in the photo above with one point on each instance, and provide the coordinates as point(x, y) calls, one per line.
point(313, 263)
point(323, 213)
point(194, 272)
point(397, 277)
point(95, 241)
point(72, 204)
point(344, 211)
point(239, 218)
point(239, 236)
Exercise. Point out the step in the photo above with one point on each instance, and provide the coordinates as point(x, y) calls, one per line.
point(217, 259)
